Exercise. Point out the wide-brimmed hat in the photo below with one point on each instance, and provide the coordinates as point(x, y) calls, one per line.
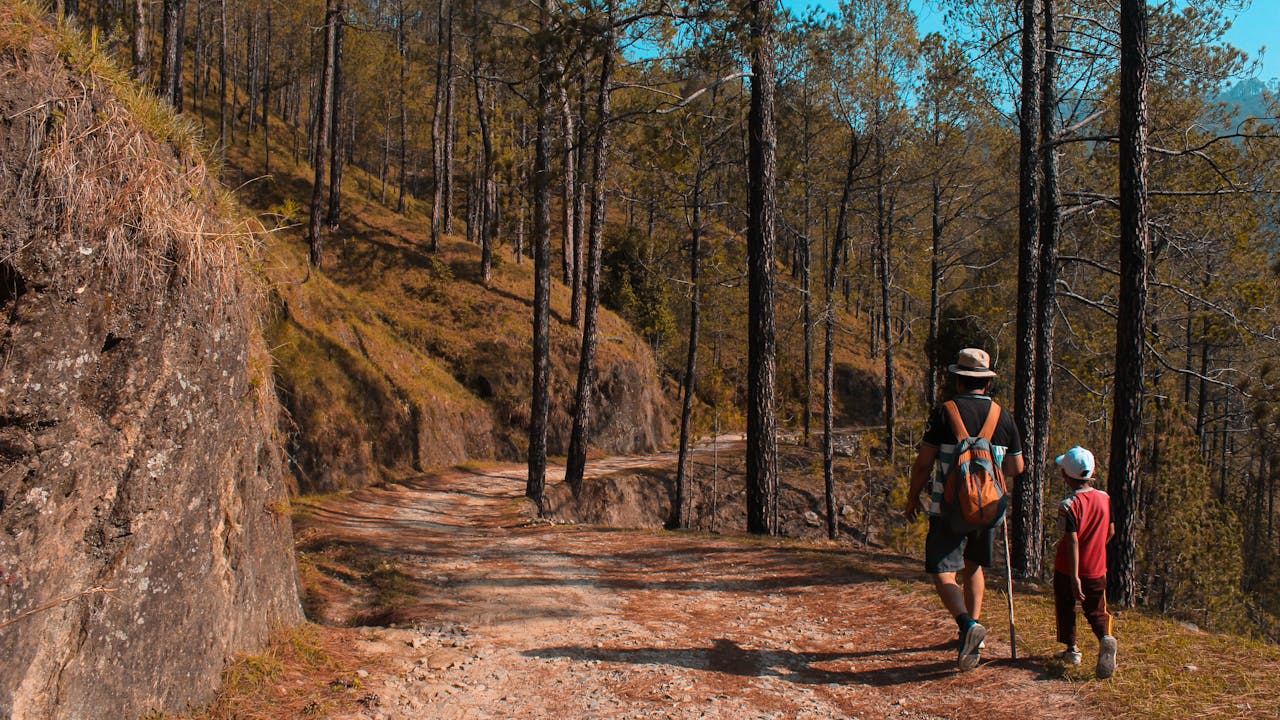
point(972, 362)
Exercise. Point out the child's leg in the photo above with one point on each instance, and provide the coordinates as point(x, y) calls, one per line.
point(1064, 605)
point(1095, 605)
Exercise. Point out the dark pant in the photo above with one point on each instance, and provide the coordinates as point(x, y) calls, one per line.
point(1095, 606)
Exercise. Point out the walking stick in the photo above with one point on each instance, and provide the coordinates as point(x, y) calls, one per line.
point(1008, 574)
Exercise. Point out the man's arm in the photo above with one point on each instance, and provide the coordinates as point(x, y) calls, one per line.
point(920, 470)
point(1013, 465)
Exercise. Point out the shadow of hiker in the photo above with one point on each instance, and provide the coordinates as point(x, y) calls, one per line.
point(727, 657)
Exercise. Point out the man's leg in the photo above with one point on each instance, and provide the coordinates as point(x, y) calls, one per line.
point(953, 598)
point(975, 584)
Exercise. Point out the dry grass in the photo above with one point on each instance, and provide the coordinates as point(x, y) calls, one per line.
point(307, 671)
point(1166, 671)
point(123, 181)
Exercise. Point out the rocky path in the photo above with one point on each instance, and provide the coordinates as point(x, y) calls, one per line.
point(519, 619)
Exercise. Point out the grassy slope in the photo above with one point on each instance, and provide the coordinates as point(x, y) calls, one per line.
point(395, 359)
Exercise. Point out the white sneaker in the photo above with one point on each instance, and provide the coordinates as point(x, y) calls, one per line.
point(1070, 657)
point(970, 647)
point(1106, 657)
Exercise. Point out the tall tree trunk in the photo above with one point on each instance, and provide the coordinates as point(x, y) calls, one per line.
point(576, 462)
point(762, 441)
point(251, 76)
point(581, 142)
point(806, 280)
point(199, 60)
point(171, 56)
point(323, 112)
point(484, 229)
point(828, 353)
point(535, 487)
point(402, 52)
point(1026, 504)
point(141, 58)
point(223, 114)
point(337, 138)
point(266, 98)
point(1122, 477)
point(935, 300)
point(681, 517)
point(1034, 479)
point(386, 151)
point(567, 252)
point(883, 256)
point(441, 186)
point(450, 127)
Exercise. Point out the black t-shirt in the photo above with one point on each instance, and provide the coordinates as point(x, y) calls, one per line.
point(973, 410)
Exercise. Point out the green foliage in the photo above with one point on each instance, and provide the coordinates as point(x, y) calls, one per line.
point(630, 286)
point(1190, 556)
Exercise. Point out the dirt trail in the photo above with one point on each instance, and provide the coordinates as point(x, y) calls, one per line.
point(519, 619)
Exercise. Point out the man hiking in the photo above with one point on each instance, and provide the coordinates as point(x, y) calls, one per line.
point(949, 552)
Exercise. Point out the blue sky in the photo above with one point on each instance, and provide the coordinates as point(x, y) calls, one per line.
point(1256, 27)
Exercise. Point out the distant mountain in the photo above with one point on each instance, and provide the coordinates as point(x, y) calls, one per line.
point(1252, 97)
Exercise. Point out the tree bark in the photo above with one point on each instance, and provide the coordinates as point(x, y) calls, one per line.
point(336, 137)
point(762, 447)
point(1026, 505)
point(935, 299)
point(266, 97)
point(884, 270)
point(567, 251)
point(402, 51)
point(535, 487)
point(441, 187)
point(323, 114)
point(171, 55)
point(806, 280)
point(575, 463)
point(484, 226)
point(223, 115)
point(1034, 479)
point(1122, 477)
point(681, 517)
point(141, 59)
point(828, 353)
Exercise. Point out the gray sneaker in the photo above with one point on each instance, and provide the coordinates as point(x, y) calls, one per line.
point(1069, 657)
point(1106, 657)
point(971, 647)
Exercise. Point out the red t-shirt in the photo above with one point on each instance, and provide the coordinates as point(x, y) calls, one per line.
point(1087, 513)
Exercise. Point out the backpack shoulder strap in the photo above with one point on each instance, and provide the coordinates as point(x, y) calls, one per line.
point(989, 427)
point(957, 423)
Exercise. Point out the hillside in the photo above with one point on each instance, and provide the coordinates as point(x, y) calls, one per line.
point(394, 359)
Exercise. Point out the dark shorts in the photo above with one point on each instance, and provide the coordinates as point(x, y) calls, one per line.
point(945, 551)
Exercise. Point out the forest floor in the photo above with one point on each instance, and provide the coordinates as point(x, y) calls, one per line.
point(499, 615)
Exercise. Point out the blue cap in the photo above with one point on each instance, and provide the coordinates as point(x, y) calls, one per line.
point(1076, 463)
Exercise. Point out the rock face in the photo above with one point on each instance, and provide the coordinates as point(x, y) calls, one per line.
point(144, 525)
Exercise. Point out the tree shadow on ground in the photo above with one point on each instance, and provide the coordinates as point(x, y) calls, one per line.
point(726, 656)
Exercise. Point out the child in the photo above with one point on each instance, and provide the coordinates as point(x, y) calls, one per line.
point(1080, 568)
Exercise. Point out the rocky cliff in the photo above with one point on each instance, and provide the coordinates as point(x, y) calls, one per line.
point(144, 525)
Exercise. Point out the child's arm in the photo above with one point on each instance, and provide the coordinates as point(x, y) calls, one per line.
point(1072, 543)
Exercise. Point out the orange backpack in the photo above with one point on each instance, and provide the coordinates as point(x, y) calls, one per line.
point(974, 494)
